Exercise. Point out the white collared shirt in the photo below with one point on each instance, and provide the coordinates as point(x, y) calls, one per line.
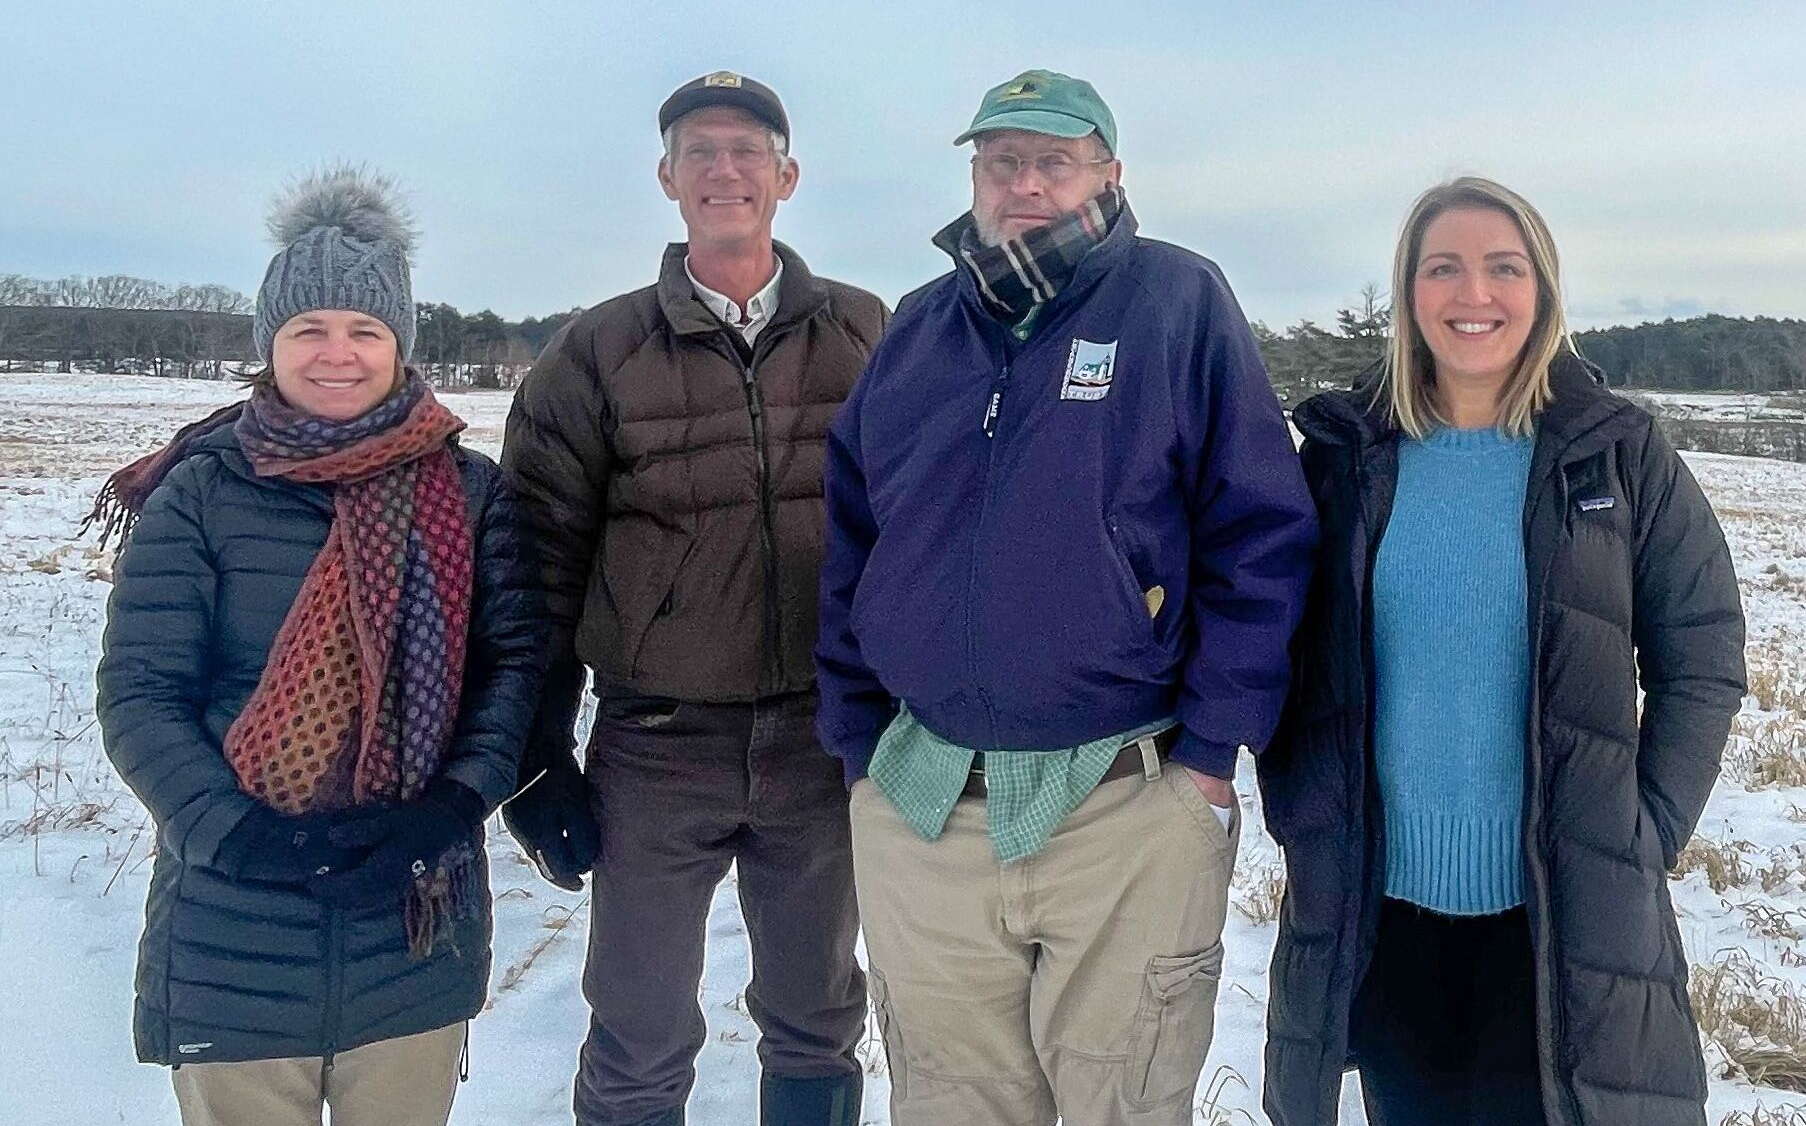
point(760, 308)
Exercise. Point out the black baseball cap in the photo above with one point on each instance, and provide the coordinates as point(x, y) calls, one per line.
point(725, 88)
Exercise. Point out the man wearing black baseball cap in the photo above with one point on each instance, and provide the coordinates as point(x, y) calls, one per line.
point(667, 447)
point(725, 88)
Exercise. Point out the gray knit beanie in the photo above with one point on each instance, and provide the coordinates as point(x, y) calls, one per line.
point(346, 241)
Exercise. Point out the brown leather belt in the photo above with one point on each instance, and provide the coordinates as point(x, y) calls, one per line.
point(1127, 762)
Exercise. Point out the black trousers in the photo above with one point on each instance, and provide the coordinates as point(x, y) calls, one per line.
point(1444, 1025)
point(682, 791)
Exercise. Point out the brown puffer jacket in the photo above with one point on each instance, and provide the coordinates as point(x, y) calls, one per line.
point(672, 481)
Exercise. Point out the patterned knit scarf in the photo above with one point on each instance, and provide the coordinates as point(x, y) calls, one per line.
point(359, 699)
point(1029, 270)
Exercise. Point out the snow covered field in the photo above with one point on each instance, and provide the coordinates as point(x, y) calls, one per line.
point(74, 843)
point(1726, 406)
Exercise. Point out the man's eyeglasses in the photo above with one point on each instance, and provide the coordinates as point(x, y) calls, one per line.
point(745, 157)
point(1054, 167)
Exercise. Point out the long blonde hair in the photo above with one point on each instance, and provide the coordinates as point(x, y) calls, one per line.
point(1408, 380)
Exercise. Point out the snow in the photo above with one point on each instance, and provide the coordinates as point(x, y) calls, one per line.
point(1725, 405)
point(73, 841)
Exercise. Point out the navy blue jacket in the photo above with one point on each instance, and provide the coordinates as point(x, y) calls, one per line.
point(1002, 516)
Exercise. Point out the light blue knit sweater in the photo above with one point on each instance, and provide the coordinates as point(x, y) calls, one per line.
point(1452, 669)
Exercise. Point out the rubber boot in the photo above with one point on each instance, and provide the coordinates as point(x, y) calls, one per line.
point(831, 1100)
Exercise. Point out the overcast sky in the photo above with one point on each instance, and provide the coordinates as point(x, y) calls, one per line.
point(1665, 142)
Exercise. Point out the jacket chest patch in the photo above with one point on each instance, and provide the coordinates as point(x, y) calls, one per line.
point(1596, 504)
point(1090, 368)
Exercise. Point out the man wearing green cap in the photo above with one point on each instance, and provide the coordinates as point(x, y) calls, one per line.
point(1068, 542)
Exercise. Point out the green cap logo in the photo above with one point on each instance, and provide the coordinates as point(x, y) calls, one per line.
point(1044, 101)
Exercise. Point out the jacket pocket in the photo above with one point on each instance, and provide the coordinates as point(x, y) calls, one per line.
point(640, 568)
point(1145, 604)
point(663, 608)
point(890, 1033)
point(1173, 1026)
point(1651, 847)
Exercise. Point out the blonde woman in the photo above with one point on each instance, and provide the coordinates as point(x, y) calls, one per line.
point(1477, 824)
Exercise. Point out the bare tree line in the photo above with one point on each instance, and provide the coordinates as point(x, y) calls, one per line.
point(119, 291)
point(122, 324)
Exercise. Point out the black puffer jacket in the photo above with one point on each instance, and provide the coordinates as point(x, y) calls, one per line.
point(237, 969)
point(1629, 584)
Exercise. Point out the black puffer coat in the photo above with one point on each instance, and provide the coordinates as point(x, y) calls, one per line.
point(238, 969)
point(1629, 584)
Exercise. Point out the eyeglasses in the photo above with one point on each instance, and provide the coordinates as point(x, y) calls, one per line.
point(1054, 167)
point(745, 157)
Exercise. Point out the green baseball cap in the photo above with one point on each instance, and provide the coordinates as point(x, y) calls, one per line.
point(1043, 101)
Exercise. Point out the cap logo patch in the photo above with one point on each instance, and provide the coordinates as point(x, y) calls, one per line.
point(1026, 88)
point(725, 78)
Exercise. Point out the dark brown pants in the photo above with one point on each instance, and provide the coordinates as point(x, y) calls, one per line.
point(682, 791)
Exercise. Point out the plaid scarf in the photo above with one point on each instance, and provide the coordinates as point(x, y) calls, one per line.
point(1029, 270)
point(359, 698)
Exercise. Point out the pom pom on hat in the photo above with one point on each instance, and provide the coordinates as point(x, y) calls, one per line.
point(366, 206)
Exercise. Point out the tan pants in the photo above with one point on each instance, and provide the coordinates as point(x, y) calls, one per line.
point(1079, 982)
point(407, 1081)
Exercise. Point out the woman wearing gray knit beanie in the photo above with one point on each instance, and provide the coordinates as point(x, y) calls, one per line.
point(320, 651)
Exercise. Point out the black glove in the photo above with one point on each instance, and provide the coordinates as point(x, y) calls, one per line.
point(281, 849)
point(404, 842)
point(551, 819)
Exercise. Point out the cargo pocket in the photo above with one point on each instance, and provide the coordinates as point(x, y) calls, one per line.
point(1173, 1026)
point(890, 1034)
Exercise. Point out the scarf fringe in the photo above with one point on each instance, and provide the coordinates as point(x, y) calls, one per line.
point(111, 513)
point(127, 491)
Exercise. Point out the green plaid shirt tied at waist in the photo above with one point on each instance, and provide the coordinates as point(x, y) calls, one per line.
point(1027, 793)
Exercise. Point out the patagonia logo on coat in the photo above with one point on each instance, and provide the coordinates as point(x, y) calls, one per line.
point(1594, 504)
point(1089, 369)
point(193, 1049)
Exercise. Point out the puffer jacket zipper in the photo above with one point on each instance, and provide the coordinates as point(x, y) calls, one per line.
point(1375, 513)
point(335, 986)
point(771, 656)
point(1551, 1020)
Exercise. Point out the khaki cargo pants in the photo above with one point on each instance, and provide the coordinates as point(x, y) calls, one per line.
point(1080, 982)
